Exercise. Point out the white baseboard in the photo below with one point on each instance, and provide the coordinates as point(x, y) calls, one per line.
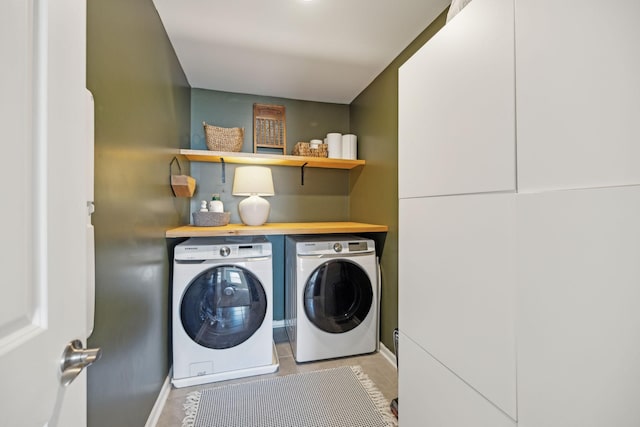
point(154, 416)
point(389, 355)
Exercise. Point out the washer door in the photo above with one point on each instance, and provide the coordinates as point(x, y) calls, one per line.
point(338, 296)
point(223, 307)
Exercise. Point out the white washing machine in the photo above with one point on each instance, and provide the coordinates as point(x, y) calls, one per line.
point(331, 297)
point(222, 309)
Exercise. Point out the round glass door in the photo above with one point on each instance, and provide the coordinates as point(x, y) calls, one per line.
point(223, 307)
point(338, 296)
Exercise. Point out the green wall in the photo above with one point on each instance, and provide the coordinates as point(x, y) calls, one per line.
point(306, 120)
point(142, 110)
point(325, 193)
point(374, 188)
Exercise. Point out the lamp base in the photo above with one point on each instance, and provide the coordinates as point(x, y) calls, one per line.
point(254, 210)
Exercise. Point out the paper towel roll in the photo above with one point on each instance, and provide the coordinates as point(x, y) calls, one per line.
point(334, 145)
point(349, 147)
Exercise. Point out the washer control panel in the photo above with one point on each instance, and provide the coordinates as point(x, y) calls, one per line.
point(208, 248)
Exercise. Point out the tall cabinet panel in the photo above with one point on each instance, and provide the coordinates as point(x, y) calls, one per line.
point(547, 276)
point(578, 94)
point(456, 106)
point(457, 230)
point(456, 299)
point(434, 396)
point(578, 318)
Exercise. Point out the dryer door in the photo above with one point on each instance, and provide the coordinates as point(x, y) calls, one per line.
point(223, 307)
point(338, 296)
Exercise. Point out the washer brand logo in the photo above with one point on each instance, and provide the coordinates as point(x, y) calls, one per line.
point(190, 249)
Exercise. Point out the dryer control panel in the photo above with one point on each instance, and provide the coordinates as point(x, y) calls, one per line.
point(358, 246)
point(327, 246)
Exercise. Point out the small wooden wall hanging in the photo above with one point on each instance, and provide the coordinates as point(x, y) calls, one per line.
point(181, 185)
point(269, 128)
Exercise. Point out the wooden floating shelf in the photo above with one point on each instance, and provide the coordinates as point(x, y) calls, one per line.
point(269, 159)
point(277, 228)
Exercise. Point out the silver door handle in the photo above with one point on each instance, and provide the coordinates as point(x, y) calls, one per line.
point(75, 359)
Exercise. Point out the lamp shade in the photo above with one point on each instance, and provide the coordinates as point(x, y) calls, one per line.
point(252, 181)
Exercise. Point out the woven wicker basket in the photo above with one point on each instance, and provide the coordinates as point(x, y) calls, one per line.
point(304, 149)
point(211, 219)
point(223, 139)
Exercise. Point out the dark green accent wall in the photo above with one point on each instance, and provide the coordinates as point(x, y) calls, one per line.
point(373, 195)
point(142, 110)
point(306, 120)
point(325, 193)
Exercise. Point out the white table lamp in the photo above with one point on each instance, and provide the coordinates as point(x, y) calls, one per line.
point(253, 181)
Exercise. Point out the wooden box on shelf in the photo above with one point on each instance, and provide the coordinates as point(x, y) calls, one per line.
point(305, 149)
point(269, 127)
point(183, 185)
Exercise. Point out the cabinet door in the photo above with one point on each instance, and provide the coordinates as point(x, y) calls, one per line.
point(456, 106)
point(431, 395)
point(456, 287)
point(578, 318)
point(578, 94)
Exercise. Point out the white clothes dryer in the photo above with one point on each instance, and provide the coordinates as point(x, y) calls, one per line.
point(331, 296)
point(222, 309)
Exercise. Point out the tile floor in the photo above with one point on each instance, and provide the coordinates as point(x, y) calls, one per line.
point(375, 365)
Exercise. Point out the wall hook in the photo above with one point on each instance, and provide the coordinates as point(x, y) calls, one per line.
point(175, 159)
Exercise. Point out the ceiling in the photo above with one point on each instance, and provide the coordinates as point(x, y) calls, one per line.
point(318, 50)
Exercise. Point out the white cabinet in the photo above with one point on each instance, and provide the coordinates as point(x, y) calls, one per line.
point(431, 395)
point(456, 107)
point(456, 265)
point(578, 94)
point(537, 281)
point(456, 299)
point(577, 308)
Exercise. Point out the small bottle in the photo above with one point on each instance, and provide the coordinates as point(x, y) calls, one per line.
point(215, 205)
point(203, 206)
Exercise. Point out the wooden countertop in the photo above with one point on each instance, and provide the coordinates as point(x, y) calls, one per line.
point(276, 228)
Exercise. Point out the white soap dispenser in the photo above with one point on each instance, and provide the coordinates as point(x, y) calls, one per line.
point(215, 205)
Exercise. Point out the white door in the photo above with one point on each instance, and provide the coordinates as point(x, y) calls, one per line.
point(44, 207)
